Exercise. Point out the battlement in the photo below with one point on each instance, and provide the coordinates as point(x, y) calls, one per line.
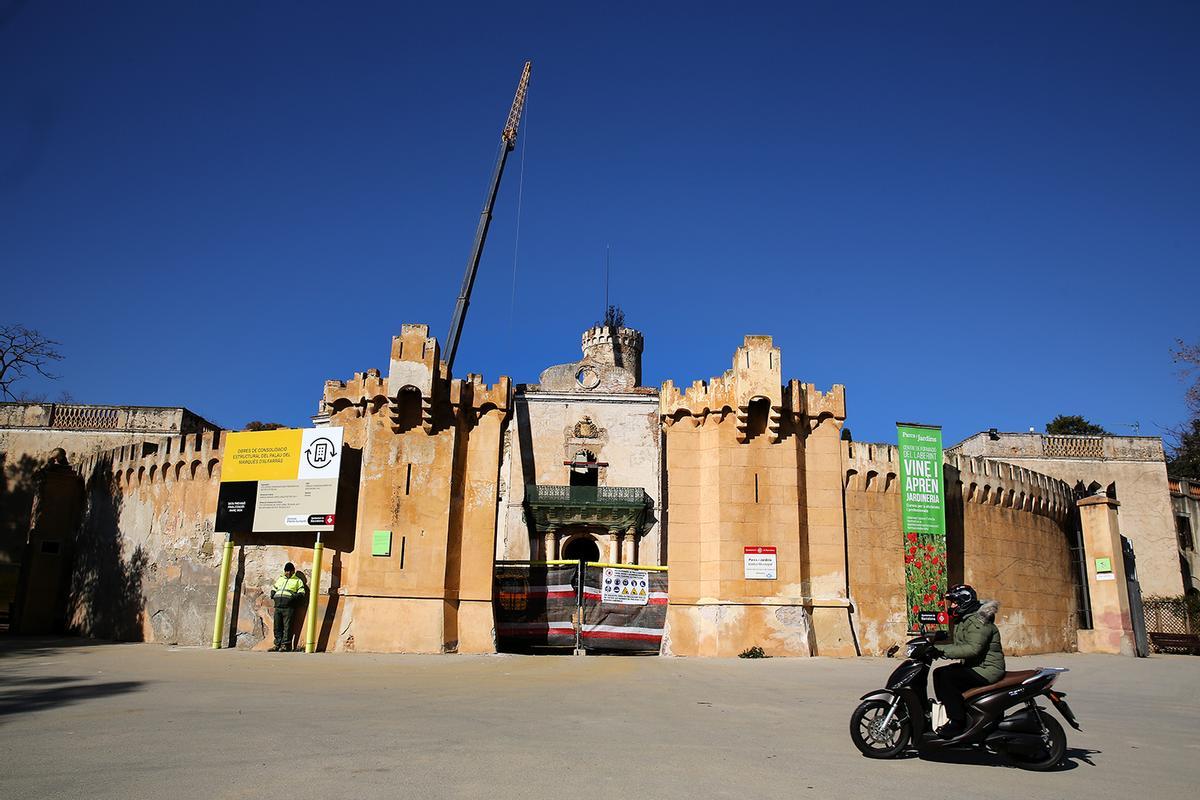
point(195, 456)
point(604, 336)
point(874, 467)
point(756, 375)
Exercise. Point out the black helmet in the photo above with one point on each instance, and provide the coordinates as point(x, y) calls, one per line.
point(961, 601)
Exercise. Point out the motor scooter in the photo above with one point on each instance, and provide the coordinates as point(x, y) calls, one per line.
point(889, 719)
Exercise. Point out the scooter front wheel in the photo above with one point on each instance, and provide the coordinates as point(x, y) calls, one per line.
point(872, 738)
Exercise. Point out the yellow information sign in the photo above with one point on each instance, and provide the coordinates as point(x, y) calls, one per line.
point(262, 456)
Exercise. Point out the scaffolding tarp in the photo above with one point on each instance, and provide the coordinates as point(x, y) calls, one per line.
point(624, 607)
point(535, 602)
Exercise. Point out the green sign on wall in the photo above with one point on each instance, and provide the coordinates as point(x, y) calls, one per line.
point(923, 516)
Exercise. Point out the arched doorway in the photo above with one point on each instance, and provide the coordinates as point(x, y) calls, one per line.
point(581, 548)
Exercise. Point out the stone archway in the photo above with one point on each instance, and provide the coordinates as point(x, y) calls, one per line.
point(582, 546)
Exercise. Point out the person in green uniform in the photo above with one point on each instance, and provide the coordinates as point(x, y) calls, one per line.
point(288, 592)
point(977, 642)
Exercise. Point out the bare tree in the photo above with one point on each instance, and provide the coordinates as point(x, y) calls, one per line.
point(1187, 356)
point(24, 352)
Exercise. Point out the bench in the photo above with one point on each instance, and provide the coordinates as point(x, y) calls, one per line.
point(1173, 642)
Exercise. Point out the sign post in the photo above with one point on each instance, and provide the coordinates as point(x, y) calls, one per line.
point(923, 516)
point(310, 622)
point(222, 592)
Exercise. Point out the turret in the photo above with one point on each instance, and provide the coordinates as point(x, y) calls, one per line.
point(619, 347)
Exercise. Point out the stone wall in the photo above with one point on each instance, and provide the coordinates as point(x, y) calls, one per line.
point(1132, 468)
point(147, 559)
point(754, 462)
point(621, 431)
point(430, 466)
point(1007, 535)
point(1185, 503)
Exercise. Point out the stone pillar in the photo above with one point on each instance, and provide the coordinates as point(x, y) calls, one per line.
point(550, 546)
point(826, 543)
point(629, 547)
point(1112, 625)
point(612, 553)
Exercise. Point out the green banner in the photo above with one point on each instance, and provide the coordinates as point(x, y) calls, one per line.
point(923, 516)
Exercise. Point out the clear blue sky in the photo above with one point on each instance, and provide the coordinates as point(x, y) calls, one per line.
point(970, 214)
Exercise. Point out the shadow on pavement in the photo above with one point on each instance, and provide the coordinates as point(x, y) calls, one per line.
point(44, 645)
point(982, 758)
point(23, 699)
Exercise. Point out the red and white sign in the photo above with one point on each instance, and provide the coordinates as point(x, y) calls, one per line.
point(761, 563)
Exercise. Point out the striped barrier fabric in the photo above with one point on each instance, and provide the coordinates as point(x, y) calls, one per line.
point(631, 621)
point(535, 603)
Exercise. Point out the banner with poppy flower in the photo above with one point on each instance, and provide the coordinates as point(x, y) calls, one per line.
point(923, 516)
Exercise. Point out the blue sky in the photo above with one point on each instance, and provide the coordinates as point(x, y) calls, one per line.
point(969, 214)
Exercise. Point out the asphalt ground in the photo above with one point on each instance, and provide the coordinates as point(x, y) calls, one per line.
point(89, 720)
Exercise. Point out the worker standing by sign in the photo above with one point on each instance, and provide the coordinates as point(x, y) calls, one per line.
point(288, 592)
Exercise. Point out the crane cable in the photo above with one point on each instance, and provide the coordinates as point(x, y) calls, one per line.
point(512, 304)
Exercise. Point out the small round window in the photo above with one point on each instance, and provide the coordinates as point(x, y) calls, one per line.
point(587, 378)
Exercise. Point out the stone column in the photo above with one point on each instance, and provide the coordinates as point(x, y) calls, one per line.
point(612, 553)
point(1112, 625)
point(550, 546)
point(629, 547)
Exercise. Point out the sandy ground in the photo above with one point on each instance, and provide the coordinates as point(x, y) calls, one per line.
point(92, 720)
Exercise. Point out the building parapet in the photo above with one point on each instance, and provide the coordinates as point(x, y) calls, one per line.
point(995, 444)
point(102, 418)
point(874, 467)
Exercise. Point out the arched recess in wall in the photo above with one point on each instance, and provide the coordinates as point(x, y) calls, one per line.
point(407, 414)
point(195, 468)
point(214, 466)
point(758, 415)
point(179, 470)
point(141, 473)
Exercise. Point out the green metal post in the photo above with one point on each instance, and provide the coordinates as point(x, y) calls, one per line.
point(222, 591)
point(314, 588)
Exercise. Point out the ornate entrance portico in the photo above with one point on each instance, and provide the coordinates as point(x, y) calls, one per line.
point(613, 517)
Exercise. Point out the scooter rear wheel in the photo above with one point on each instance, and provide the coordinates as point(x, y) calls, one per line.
point(1051, 754)
point(869, 735)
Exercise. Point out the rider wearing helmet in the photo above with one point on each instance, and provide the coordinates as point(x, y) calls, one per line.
point(977, 642)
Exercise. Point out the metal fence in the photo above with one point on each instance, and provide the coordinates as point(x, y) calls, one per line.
point(613, 607)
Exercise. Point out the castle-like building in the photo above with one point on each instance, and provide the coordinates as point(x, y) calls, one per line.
point(460, 475)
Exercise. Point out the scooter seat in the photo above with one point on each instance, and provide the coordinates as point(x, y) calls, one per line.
point(1009, 680)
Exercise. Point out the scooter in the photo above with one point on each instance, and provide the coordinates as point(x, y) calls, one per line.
point(889, 719)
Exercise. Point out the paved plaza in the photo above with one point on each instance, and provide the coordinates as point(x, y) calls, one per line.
point(82, 719)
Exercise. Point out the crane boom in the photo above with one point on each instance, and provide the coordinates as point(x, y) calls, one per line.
point(508, 140)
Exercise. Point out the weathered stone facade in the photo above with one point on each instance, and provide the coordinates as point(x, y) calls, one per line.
point(1185, 502)
point(460, 473)
point(1131, 469)
point(583, 459)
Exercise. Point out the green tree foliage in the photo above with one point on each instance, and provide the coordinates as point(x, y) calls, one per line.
point(1073, 425)
point(1183, 443)
point(264, 426)
point(1183, 451)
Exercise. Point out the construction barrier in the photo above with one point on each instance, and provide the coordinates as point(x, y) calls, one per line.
point(624, 607)
point(535, 602)
point(614, 607)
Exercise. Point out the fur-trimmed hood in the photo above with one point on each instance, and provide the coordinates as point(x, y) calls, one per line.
point(987, 610)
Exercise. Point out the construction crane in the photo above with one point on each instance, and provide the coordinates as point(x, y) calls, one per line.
point(508, 140)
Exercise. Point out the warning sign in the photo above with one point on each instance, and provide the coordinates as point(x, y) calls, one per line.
point(629, 587)
point(760, 563)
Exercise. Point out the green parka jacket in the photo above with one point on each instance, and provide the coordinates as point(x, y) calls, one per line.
point(977, 643)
